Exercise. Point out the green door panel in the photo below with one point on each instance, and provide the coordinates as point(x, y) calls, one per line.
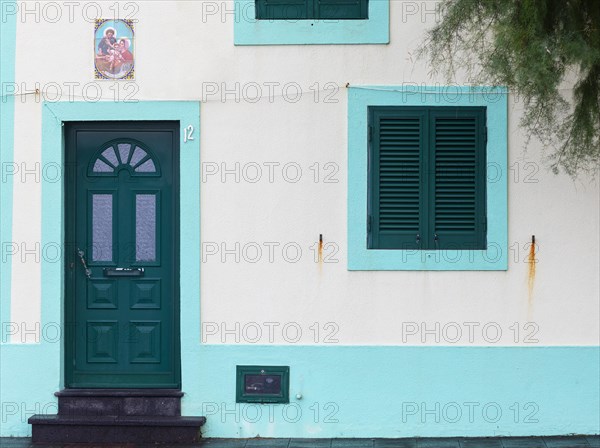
point(122, 291)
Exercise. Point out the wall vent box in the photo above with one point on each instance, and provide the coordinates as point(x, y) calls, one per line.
point(262, 384)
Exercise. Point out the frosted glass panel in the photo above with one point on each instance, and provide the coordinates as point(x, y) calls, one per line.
point(146, 167)
point(102, 227)
point(109, 154)
point(124, 149)
point(101, 167)
point(138, 155)
point(145, 227)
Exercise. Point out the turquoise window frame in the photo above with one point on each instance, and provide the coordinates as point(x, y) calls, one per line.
point(495, 257)
point(250, 31)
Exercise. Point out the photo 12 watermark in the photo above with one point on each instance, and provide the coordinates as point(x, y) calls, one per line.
point(327, 412)
point(470, 412)
point(70, 91)
point(57, 12)
point(270, 332)
point(471, 332)
point(280, 252)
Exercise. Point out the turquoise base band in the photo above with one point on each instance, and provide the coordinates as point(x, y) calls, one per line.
point(357, 391)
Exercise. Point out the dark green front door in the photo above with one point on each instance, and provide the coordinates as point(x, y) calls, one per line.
point(122, 255)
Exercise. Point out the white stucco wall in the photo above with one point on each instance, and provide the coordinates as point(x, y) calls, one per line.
point(182, 55)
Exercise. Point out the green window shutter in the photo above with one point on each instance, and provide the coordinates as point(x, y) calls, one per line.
point(458, 191)
point(341, 9)
point(427, 178)
point(311, 9)
point(397, 163)
point(284, 9)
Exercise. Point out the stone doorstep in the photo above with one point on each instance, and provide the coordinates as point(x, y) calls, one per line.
point(52, 429)
point(99, 402)
point(117, 416)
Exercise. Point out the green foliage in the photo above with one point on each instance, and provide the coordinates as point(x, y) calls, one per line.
point(547, 52)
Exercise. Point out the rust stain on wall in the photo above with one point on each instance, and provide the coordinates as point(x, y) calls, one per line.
point(320, 248)
point(531, 261)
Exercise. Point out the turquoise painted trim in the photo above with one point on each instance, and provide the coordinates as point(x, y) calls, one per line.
point(249, 31)
point(370, 391)
point(8, 36)
point(187, 113)
point(495, 258)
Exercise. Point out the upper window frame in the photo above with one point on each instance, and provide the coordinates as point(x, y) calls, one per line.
point(250, 31)
point(495, 256)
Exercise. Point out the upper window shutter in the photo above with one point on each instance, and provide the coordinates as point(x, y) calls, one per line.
point(312, 9)
point(458, 191)
point(284, 9)
point(341, 9)
point(397, 162)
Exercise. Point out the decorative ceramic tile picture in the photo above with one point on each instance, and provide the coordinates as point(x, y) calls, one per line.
point(114, 46)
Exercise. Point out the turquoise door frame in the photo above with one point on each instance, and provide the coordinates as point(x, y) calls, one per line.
point(53, 208)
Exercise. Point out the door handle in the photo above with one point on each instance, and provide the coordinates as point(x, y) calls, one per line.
point(88, 271)
point(123, 272)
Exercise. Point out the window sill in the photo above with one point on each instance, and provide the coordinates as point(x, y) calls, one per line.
point(493, 259)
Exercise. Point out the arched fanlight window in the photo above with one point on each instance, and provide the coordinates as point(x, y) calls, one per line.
point(124, 154)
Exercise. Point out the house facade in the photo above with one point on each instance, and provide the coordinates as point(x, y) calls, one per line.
point(292, 221)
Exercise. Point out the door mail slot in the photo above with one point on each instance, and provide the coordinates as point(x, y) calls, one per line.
point(123, 272)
